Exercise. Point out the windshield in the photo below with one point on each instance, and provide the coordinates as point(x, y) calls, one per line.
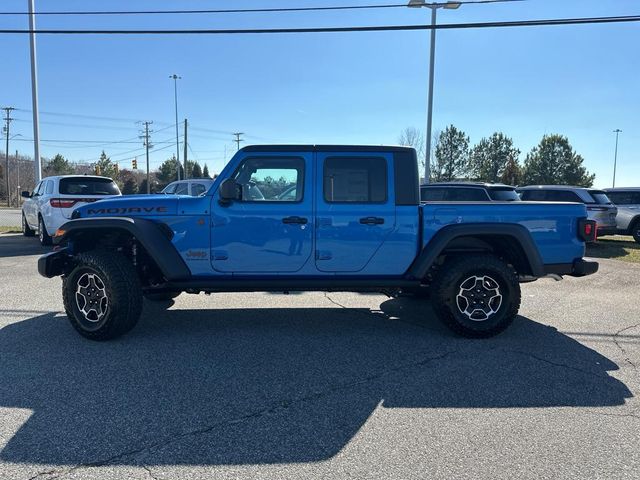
point(503, 194)
point(600, 197)
point(88, 186)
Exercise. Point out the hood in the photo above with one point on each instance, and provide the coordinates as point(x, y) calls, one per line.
point(130, 206)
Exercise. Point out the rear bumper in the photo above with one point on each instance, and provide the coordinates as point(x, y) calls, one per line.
point(53, 264)
point(602, 231)
point(579, 268)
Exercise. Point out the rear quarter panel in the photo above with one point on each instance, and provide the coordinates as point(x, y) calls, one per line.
point(553, 226)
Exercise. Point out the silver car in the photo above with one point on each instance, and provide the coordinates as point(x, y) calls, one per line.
point(599, 207)
point(628, 202)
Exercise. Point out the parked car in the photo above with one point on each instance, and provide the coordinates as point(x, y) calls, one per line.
point(54, 198)
point(599, 207)
point(628, 202)
point(355, 224)
point(194, 187)
point(467, 192)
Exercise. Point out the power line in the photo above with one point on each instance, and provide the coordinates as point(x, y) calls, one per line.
point(245, 10)
point(380, 28)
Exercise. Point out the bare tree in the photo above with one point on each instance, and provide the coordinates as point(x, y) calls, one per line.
point(412, 137)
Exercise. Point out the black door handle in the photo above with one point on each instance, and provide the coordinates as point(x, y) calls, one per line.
point(295, 219)
point(372, 220)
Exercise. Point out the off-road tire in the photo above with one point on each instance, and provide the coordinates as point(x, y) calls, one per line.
point(120, 285)
point(43, 236)
point(161, 297)
point(450, 290)
point(26, 230)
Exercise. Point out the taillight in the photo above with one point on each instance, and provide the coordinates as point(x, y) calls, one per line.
point(62, 202)
point(587, 230)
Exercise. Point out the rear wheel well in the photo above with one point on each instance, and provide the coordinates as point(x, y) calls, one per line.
point(505, 247)
point(124, 242)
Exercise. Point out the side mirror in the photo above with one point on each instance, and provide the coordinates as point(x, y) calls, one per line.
point(230, 190)
point(25, 194)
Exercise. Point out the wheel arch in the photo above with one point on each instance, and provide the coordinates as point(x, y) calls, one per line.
point(513, 242)
point(155, 238)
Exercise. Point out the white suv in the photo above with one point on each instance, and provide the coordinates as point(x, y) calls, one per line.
point(54, 199)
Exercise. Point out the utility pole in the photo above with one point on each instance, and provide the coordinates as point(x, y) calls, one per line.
point(617, 131)
point(34, 93)
point(147, 145)
point(17, 180)
point(186, 171)
point(175, 98)
point(7, 119)
point(238, 139)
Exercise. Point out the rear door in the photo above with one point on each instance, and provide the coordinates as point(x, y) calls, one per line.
point(354, 209)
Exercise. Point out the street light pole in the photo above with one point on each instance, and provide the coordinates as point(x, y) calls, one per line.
point(432, 53)
point(617, 131)
point(175, 97)
point(34, 92)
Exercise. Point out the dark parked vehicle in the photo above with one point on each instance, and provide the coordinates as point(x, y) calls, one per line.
point(628, 202)
point(468, 192)
point(599, 207)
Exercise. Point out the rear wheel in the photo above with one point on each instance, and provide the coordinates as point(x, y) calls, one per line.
point(102, 295)
point(44, 237)
point(26, 230)
point(476, 296)
point(635, 231)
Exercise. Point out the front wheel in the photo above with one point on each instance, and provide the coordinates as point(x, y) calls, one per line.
point(26, 230)
point(476, 296)
point(102, 295)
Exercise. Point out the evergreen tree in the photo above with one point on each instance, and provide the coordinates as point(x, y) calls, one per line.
point(168, 171)
point(105, 167)
point(451, 155)
point(554, 162)
point(490, 157)
point(196, 172)
point(205, 171)
point(58, 165)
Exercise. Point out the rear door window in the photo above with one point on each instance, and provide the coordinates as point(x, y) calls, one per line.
point(355, 180)
point(88, 186)
point(197, 189)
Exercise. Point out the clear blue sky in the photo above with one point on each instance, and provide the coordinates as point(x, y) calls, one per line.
point(580, 81)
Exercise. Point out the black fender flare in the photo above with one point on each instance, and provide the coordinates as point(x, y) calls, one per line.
point(154, 237)
point(444, 236)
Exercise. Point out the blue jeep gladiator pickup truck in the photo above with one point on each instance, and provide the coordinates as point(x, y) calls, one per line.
point(310, 217)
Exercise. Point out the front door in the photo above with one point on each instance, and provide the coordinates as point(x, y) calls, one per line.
point(270, 230)
point(355, 213)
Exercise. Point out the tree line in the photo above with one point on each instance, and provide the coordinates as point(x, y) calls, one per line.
point(130, 181)
point(496, 160)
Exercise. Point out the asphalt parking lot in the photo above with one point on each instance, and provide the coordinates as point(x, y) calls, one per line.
point(320, 386)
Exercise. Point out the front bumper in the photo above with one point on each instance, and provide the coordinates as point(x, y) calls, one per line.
point(579, 268)
point(54, 264)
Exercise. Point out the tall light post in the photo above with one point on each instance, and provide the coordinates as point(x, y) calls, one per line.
point(175, 97)
point(617, 131)
point(432, 52)
point(34, 92)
